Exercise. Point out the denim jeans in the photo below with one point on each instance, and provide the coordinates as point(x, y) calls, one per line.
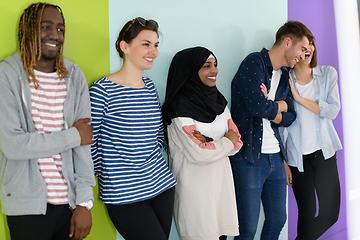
point(265, 182)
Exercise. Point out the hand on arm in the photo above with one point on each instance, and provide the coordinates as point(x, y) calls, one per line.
point(232, 136)
point(80, 223)
point(85, 130)
point(232, 126)
point(278, 118)
point(195, 151)
point(306, 103)
point(295, 94)
point(249, 81)
point(263, 90)
point(283, 107)
point(199, 136)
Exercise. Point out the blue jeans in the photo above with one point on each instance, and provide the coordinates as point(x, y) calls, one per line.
point(265, 182)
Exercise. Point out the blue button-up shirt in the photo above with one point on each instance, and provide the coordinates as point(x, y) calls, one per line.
point(249, 106)
point(327, 95)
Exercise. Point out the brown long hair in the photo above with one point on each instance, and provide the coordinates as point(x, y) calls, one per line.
point(30, 43)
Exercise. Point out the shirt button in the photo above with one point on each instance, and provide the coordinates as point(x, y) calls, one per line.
point(259, 138)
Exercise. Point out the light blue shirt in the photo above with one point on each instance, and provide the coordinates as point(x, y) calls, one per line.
point(327, 95)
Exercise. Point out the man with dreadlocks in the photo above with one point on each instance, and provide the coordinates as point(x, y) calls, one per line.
point(46, 171)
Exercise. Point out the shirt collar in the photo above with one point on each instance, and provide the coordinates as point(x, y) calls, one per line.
point(265, 55)
point(316, 71)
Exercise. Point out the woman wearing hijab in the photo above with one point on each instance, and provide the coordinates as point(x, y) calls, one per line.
point(201, 135)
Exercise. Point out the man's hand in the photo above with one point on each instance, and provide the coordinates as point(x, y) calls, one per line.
point(277, 119)
point(263, 90)
point(283, 107)
point(85, 130)
point(80, 223)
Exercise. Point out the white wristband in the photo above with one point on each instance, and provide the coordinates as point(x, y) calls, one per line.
point(88, 204)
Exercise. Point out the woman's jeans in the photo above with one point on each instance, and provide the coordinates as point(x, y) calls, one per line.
point(254, 183)
point(320, 176)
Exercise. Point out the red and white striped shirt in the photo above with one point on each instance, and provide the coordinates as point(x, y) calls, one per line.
point(47, 105)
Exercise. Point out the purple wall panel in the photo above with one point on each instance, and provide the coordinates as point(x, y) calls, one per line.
point(319, 17)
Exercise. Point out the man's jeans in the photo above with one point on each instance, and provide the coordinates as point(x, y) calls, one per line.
point(265, 182)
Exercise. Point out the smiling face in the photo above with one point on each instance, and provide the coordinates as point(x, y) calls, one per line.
point(309, 53)
point(142, 50)
point(208, 72)
point(52, 30)
point(296, 51)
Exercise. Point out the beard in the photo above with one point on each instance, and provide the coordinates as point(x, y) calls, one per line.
point(289, 59)
point(48, 56)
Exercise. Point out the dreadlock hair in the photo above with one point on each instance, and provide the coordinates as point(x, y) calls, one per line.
point(30, 43)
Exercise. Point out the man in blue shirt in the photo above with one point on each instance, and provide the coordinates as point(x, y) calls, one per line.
point(261, 101)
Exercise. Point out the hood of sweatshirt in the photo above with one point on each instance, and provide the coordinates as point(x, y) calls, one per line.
point(18, 66)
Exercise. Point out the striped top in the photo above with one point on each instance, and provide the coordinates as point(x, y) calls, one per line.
point(128, 135)
point(47, 105)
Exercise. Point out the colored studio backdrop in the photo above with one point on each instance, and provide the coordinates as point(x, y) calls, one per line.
point(231, 29)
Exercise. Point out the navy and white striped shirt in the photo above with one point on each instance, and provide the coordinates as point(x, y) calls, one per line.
point(128, 135)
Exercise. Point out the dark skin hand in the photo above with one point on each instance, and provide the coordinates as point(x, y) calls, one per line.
point(85, 130)
point(80, 223)
point(199, 136)
point(231, 135)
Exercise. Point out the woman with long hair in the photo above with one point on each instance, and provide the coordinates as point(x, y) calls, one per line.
point(311, 145)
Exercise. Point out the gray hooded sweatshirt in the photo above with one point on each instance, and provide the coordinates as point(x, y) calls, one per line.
point(23, 188)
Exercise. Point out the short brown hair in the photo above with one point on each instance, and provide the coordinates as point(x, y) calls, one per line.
point(294, 30)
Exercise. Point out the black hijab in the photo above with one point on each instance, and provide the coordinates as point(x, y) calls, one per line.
point(186, 95)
